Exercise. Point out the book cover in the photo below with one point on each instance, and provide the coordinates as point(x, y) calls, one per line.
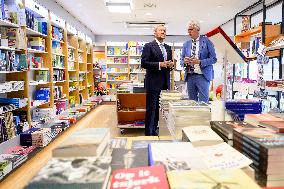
point(73, 173)
point(176, 156)
point(15, 159)
point(21, 150)
point(130, 140)
point(129, 158)
point(227, 127)
point(117, 51)
point(136, 144)
point(153, 177)
point(5, 167)
point(200, 136)
point(211, 179)
point(110, 51)
point(278, 126)
point(223, 156)
point(83, 143)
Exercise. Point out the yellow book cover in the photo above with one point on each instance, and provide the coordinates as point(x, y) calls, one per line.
point(208, 179)
point(117, 51)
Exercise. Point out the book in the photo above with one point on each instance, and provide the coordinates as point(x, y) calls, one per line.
point(84, 143)
point(5, 167)
point(130, 140)
point(255, 119)
point(200, 136)
point(208, 179)
point(263, 139)
point(153, 177)
point(22, 150)
point(227, 127)
point(74, 173)
point(15, 159)
point(223, 156)
point(136, 144)
point(129, 158)
point(278, 126)
point(175, 156)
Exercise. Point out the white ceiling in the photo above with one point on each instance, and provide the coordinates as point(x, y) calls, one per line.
point(176, 13)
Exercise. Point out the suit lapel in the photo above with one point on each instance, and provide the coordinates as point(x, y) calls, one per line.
point(157, 49)
point(201, 43)
point(189, 47)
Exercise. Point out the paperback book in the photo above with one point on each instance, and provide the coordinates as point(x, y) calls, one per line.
point(73, 173)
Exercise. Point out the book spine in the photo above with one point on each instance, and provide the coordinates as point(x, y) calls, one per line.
point(150, 155)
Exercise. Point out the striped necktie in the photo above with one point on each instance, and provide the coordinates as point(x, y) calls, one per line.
point(193, 53)
point(162, 47)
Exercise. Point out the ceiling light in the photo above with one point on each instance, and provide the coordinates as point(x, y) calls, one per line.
point(119, 6)
point(220, 6)
point(148, 14)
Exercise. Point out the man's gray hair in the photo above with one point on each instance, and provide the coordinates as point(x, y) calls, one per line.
point(157, 26)
point(194, 24)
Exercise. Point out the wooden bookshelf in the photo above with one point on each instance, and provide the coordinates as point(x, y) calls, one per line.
point(70, 41)
point(131, 101)
point(271, 33)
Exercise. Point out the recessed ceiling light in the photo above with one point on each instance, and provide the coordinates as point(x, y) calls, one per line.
point(220, 6)
point(201, 21)
point(148, 14)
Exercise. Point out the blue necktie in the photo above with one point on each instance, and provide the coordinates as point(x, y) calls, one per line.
point(163, 51)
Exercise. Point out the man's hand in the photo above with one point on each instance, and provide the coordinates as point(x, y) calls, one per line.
point(163, 64)
point(170, 64)
point(186, 60)
point(194, 60)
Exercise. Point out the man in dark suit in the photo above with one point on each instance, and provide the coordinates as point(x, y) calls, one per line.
point(157, 60)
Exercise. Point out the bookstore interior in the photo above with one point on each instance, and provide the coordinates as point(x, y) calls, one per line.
point(88, 82)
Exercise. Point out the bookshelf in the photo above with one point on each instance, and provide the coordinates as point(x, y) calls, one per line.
point(46, 51)
point(130, 111)
point(271, 32)
point(123, 63)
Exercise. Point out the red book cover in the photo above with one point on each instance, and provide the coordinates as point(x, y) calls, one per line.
point(280, 187)
point(153, 177)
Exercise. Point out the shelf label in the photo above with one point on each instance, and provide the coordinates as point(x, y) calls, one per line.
point(37, 8)
point(71, 29)
point(55, 20)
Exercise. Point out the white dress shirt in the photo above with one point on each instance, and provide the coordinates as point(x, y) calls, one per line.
point(161, 45)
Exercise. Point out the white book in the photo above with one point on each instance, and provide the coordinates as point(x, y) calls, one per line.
point(223, 156)
point(176, 156)
point(200, 136)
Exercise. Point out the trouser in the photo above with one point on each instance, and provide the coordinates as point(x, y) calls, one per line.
point(198, 88)
point(152, 112)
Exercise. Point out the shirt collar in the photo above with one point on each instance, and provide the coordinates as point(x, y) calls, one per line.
point(197, 39)
point(159, 43)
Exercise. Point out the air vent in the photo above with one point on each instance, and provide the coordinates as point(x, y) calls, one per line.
point(144, 25)
point(150, 5)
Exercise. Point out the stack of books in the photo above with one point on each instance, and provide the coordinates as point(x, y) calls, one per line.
point(225, 129)
point(15, 159)
point(266, 148)
point(187, 113)
point(39, 137)
point(84, 143)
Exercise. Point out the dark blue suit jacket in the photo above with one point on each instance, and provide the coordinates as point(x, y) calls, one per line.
point(155, 79)
point(206, 55)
